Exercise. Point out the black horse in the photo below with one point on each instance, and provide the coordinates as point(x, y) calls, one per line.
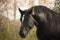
point(46, 21)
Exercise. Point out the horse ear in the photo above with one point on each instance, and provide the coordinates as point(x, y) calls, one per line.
point(20, 10)
point(30, 11)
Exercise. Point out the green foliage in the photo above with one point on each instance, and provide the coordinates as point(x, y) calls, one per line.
point(4, 35)
point(9, 31)
point(57, 3)
point(57, 9)
point(57, 6)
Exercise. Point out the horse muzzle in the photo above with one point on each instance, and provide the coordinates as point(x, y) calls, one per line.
point(22, 35)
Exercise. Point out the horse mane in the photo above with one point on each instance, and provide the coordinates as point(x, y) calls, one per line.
point(45, 9)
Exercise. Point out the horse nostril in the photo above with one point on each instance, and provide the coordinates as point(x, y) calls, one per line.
point(22, 35)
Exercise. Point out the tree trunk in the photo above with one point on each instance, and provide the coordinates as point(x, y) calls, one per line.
point(14, 20)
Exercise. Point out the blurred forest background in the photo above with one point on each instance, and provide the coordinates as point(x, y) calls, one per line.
point(10, 15)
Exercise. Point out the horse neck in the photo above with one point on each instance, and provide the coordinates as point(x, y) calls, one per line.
point(35, 21)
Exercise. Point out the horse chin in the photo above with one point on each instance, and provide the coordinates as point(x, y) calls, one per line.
point(22, 35)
